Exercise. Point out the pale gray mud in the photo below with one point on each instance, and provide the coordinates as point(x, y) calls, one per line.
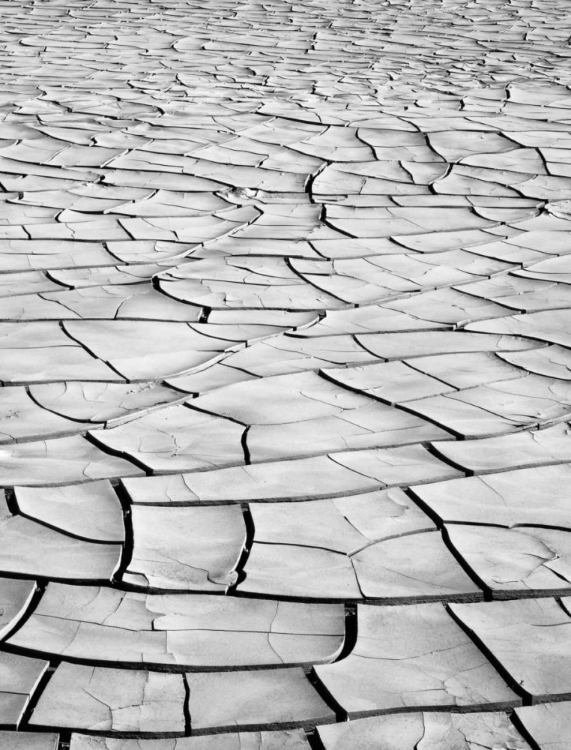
point(285, 333)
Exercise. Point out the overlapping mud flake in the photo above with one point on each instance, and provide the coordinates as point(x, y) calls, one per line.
point(308, 265)
point(186, 549)
point(413, 657)
point(548, 724)
point(457, 731)
point(104, 700)
point(179, 631)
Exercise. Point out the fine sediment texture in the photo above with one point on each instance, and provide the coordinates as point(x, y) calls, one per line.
point(285, 375)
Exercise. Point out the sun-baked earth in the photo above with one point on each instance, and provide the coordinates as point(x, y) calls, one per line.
point(285, 356)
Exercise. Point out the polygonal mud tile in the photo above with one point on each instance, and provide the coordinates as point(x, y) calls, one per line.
point(368, 426)
point(521, 160)
point(187, 549)
point(76, 278)
point(49, 252)
point(530, 400)
point(340, 524)
point(292, 739)
point(33, 549)
point(288, 354)
point(370, 222)
point(556, 269)
point(524, 561)
point(550, 326)
point(123, 302)
point(102, 402)
point(413, 657)
point(430, 731)
point(27, 282)
point(41, 351)
point(424, 343)
point(553, 361)
point(523, 449)
point(444, 307)
point(28, 741)
point(454, 145)
point(146, 178)
point(90, 510)
point(370, 319)
point(215, 376)
point(414, 567)
point(239, 331)
point(21, 418)
point(177, 439)
point(19, 677)
point(395, 562)
point(469, 369)
point(404, 466)
point(383, 514)
point(297, 479)
point(338, 144)
point(59, 461)
point(33, 307)
point(254, 700)
point(464, 419)
point(245, 282)
point(200, 632)
point(394, 382)
point(357, 281)
point(548, 724)
point(143, 350)
point(522, 294)
point(15, 598)
point(528, 638)
point(330, 418)
point(112, 700)
point(293, 572)
point(281, 400)
point(317, 523)
point(529, 497)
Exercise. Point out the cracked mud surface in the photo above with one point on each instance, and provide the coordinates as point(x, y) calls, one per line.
point(285, 375)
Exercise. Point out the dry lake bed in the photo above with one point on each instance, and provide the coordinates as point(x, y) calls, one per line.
point(285, 369)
